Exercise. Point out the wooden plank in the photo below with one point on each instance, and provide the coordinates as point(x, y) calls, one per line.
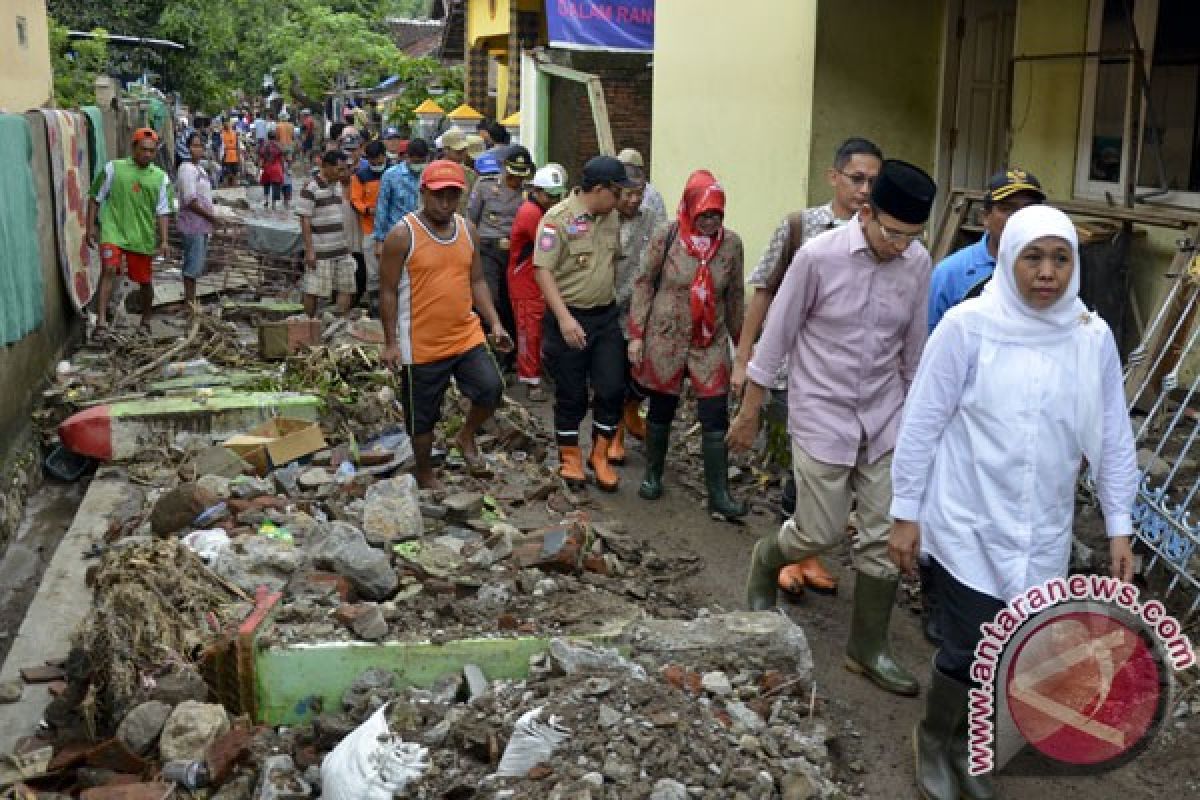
point(954, 218)
point(604, 137)
point(1143, 214)
point(1170, 335)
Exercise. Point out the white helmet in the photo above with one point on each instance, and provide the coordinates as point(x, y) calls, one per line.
point(552, 179)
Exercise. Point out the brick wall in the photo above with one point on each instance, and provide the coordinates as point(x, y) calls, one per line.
point(477, 80)
point(627, 85)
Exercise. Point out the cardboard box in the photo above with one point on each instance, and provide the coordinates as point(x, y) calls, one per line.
point(283, 338)
point(277, 442)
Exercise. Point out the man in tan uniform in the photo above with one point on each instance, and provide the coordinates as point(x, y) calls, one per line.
point(581, 336)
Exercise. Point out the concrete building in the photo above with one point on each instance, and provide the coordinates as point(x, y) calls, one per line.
point(26, 80)
point(499, 38)
point(961, 87)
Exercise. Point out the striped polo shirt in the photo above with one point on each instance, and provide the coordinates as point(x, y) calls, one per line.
point(321, 202)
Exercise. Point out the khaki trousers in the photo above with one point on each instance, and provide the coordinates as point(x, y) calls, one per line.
point(823, 496)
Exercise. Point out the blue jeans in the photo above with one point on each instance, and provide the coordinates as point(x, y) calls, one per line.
point(195, 251)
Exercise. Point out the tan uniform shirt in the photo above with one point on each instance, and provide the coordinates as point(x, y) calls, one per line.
point(492, 208)
point(580, 251)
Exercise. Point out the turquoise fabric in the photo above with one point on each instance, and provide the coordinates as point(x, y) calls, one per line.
point(97, 144)
point(21, 302)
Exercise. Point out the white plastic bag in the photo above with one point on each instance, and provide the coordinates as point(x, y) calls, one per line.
point(532, 743)
point(207, 544)
point(371, 763)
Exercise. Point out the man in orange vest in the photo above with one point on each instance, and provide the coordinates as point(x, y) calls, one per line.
point(231, 154)
point(430, 276)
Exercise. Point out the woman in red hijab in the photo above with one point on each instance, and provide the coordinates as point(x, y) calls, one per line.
point(687, 305)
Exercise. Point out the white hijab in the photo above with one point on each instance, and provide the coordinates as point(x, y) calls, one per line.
point(1009, 317)
point(1002, 315)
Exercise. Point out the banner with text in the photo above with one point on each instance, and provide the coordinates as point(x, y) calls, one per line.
point(624, 25)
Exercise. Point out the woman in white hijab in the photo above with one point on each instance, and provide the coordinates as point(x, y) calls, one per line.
point(1015, 389)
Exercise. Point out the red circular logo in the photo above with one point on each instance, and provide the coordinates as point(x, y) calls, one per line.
point(1085, 688)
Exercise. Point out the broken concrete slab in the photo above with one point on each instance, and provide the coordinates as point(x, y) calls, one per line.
point(123, 430)
point(252, 560)
point(768, 634)
point(141, 726)
point(217, 460)
point(344, 550)
point(191, 729)
point(392, 511)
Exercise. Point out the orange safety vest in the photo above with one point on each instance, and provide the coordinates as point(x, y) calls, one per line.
point(229, 141)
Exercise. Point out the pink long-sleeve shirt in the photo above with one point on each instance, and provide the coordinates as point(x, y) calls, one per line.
point(853, 328)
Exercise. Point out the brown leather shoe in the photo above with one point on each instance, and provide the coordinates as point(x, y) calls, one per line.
point(632, 419)
point(616, 449)
point(570, 466)
point(606, 477)
point(814, 575)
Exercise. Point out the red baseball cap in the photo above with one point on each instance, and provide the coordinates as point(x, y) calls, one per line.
point(145, 133)
point(443, 174)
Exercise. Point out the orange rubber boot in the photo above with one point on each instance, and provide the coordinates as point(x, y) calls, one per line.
point(570, 466)
point(606, 477)
point(810, 573)
point(791, 579)
point(632, 419)
point(616, 450)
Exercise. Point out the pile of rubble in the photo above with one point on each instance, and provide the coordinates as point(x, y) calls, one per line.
point(340, 548)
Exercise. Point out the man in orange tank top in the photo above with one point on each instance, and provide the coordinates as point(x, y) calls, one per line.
point(430, 276)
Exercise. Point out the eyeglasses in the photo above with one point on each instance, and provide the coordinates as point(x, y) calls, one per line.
point(857, 178)
point(898, 237)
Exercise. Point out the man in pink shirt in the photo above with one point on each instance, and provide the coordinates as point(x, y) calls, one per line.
point(850, 315)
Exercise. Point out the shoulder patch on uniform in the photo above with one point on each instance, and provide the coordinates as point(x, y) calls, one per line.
point(549, 238)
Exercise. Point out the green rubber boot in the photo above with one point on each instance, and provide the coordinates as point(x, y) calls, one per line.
point(971, 787)
point(657, 437)
point(765, 562)
point(945, 706)
point(716, 477)
point(868, 652)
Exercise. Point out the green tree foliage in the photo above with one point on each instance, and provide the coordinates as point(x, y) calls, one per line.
point(76, 64)
point(308, 45)
point(419, 76)
point(319, 47)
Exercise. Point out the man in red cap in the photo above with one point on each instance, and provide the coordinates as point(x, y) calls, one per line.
point(132, 197)
point(430, 275)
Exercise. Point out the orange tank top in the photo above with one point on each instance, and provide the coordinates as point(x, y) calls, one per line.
point(230, 143)
point(440, 318)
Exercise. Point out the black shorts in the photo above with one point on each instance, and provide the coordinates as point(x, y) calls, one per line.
point(232, 169)
point(424, 386)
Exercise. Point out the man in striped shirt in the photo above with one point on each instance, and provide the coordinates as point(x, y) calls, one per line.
point(328, 267)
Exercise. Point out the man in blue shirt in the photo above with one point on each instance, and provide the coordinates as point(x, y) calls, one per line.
point(399, 191)
point(963, 273)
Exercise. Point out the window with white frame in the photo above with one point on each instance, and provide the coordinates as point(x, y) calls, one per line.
point(1169, 34)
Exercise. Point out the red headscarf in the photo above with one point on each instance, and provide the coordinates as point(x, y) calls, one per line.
point(701, 194)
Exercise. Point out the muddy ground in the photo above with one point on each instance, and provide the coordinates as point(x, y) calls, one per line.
point(874, 745)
